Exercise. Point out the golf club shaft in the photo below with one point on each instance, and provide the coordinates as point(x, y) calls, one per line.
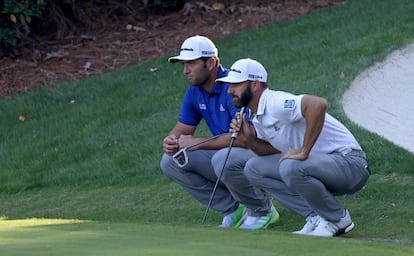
point(217, 182)
point(204, 141)
point(233, 138)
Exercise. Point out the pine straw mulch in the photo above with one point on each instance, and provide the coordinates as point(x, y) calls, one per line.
point(111, 45)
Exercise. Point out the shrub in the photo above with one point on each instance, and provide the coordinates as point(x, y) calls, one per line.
point(59, 18)
point(15, 18)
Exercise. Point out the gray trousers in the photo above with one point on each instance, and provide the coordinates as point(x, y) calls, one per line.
point(199, 176)
point(309, 187)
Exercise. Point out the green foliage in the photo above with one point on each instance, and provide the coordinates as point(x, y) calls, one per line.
point(15, 18)
point(59, 18)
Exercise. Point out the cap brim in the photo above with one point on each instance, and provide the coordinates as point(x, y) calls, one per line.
point(230, 79)
point(173, 60)
point(180, 58)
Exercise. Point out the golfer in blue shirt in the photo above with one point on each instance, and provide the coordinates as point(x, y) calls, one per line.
point(236, 199)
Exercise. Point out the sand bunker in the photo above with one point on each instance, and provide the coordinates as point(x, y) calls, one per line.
point(381, 99)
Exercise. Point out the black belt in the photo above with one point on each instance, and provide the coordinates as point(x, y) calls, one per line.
point(356, 152)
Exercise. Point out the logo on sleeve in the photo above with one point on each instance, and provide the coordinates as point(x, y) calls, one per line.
point(289, 103)
point(222, 108)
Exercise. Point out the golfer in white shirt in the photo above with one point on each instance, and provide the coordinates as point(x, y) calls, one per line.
point(305, 156)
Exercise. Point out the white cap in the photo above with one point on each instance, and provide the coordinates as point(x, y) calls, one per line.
point(195, 47)
point(244, 70)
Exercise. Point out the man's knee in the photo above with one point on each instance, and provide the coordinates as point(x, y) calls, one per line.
point(223, 163)
point(290, 171)
point(166, 164)
point(252, 169)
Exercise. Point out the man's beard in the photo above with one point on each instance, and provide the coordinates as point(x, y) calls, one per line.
point(246, 97)
point(244, 100)
point(201, 82)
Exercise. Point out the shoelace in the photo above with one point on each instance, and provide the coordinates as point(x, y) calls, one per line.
point(314, 221)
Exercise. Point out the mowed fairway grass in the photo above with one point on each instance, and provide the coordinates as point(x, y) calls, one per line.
point(69, 237)
point(81, 175)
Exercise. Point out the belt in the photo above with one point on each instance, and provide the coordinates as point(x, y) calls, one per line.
point(356, 152)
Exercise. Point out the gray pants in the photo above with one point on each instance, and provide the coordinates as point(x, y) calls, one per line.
point(199, 176)
point(309, 187)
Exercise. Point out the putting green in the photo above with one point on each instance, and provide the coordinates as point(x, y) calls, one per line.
point(75, 237)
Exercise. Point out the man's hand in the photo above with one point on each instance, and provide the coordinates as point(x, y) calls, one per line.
point(186, 141)
point(243, 129)
point(170, 144)
point(297, 154)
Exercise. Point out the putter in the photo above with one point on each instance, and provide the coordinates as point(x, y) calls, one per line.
point(233, 138)
point(181, 158)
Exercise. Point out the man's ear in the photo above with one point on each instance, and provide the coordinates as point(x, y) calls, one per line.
point(256, 85)
point(212, 62)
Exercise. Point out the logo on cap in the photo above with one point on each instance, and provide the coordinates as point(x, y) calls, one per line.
point(255, 76)
point(207, 53)
point(235, 70)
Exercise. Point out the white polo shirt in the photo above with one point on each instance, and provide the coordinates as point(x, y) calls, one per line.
point(279, 121)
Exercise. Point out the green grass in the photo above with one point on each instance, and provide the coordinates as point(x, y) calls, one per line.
point(90, 150)
point(71, 237)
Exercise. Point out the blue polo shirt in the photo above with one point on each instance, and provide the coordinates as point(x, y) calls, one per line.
point(215, 107)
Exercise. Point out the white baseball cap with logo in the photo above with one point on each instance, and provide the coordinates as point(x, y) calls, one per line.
point(245, 70)
point(195, 47)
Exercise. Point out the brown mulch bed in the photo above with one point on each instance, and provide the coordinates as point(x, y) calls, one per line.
point(113, 44)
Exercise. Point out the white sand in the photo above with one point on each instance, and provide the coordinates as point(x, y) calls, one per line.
point(381, 99)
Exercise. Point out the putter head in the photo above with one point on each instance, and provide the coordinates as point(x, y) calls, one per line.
point(181, 158)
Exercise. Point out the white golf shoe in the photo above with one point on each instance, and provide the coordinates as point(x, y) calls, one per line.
point(328, 228)
point(310, 225)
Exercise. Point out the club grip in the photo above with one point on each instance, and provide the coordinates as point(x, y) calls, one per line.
point(239, 121)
